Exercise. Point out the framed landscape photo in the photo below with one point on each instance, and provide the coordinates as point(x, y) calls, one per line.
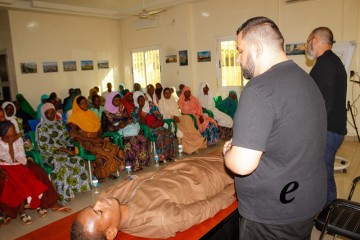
point(49, 67)
point(295, 48)
point(69, 66)
point(87, 65)
point(171, 58)
point(204, 56)
point(28, 67)
point(183, 58)
point(102, 64)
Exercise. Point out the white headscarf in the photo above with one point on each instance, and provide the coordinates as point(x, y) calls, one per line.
point(146, 107)
point(168, 107)
point(173, 94)
point(206, 101)
point(12, 118)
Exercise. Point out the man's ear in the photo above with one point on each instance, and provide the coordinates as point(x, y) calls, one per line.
point(111, 233)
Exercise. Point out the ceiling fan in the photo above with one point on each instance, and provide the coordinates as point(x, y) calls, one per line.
point(147, 13)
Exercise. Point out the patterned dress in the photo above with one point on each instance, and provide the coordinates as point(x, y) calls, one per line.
point(136, 148)
point(69, 175)
point(165, 147)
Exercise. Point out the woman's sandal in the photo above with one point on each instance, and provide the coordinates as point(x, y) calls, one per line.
point(5, 220)
point(41, 212)
point(25, 219)
point(61, 209)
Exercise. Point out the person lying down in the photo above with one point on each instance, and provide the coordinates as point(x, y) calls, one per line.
point(159, 203)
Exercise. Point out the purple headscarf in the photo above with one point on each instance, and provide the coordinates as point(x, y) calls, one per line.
point(109, 106)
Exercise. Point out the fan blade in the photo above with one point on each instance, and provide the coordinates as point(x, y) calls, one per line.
point(156, 11)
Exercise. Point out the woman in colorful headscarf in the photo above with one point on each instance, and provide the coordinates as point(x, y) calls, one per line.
point(116, 118)
point(188, 136)
point(25, 105)
point(85, 127)
point(43, 99)
point(69, 174)
point(230, 104)
point(224, 121)
point(10, 114)
point(190, 105)
point(146, 112)
point(128, 102)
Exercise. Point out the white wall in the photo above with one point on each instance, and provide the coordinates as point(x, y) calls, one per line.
point(40, 37)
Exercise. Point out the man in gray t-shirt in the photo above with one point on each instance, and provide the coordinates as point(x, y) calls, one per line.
point(279, 137)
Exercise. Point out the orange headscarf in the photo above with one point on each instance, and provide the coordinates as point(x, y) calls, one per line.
point(88, 121)
point(189, 107)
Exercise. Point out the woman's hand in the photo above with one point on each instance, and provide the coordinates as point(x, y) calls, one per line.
point(201, 119)
point(176, 119)
point(68, 151)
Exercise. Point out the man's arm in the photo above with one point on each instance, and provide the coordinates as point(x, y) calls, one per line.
point(239, 160)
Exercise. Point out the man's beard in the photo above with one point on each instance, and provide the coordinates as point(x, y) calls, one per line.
point(249, 69)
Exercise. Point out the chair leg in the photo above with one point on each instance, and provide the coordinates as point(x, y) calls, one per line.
point(90, 172)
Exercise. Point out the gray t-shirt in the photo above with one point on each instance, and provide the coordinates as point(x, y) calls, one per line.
point(282, 113)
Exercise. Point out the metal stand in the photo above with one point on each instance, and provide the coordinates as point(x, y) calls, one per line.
point(353, 119)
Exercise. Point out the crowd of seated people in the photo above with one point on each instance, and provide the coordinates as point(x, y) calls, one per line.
point(84, 119)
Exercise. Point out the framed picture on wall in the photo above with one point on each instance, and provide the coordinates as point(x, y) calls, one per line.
point(69, 66)
point(171, 58)
point(183, 58)
point(49, 67)
point(295, 48)
point(103, 64)
point(28, 67)
point(204, 56)
point(87, 65)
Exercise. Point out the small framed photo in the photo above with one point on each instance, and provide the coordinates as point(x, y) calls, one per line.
point(87, 65)
point(183, 58)
point(204, 56)
point(49, 67)
point(171, 59)
point(69, 66)
point(102, 64)
point(295, 49)
point(28, 67)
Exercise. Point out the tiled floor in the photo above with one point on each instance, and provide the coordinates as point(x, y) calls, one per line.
point(349, 150)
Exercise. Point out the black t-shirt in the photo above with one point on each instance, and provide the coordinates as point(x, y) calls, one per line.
point(330, 76)
point(282, 113)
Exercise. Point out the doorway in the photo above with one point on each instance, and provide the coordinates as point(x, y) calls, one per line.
point(5, 91)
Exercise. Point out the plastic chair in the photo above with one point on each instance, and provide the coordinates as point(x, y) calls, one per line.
point(217, 100)
point(208, 112)
point(341, 217)
point(88, 157)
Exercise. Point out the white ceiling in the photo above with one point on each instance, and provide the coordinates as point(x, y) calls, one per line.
point(115, 9)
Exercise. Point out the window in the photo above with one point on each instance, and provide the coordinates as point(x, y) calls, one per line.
point(146, 67)
point(230, 74)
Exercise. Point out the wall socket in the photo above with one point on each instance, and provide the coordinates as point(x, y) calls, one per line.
point(352, 73)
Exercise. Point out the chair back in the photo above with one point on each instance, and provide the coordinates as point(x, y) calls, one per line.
point(33, 123)
point(217, 100)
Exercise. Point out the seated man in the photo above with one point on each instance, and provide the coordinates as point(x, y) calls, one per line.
point(160, 203)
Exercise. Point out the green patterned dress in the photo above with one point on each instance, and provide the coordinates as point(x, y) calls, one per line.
point(69, 175)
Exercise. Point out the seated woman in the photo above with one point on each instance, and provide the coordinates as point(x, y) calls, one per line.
point(116, 118)
point(20, 113)
point(43, 99)
point(158, 204)
point(128, 102)
point(96, 105)
point(230, 104)
point(85, 128)
point(10, 114)
point(21, 179)
point(25, 105)
point(150, 94)
point(188, 136)
point(224, 121)
point(146, 112)
point(190, 105)
point(69, 174)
